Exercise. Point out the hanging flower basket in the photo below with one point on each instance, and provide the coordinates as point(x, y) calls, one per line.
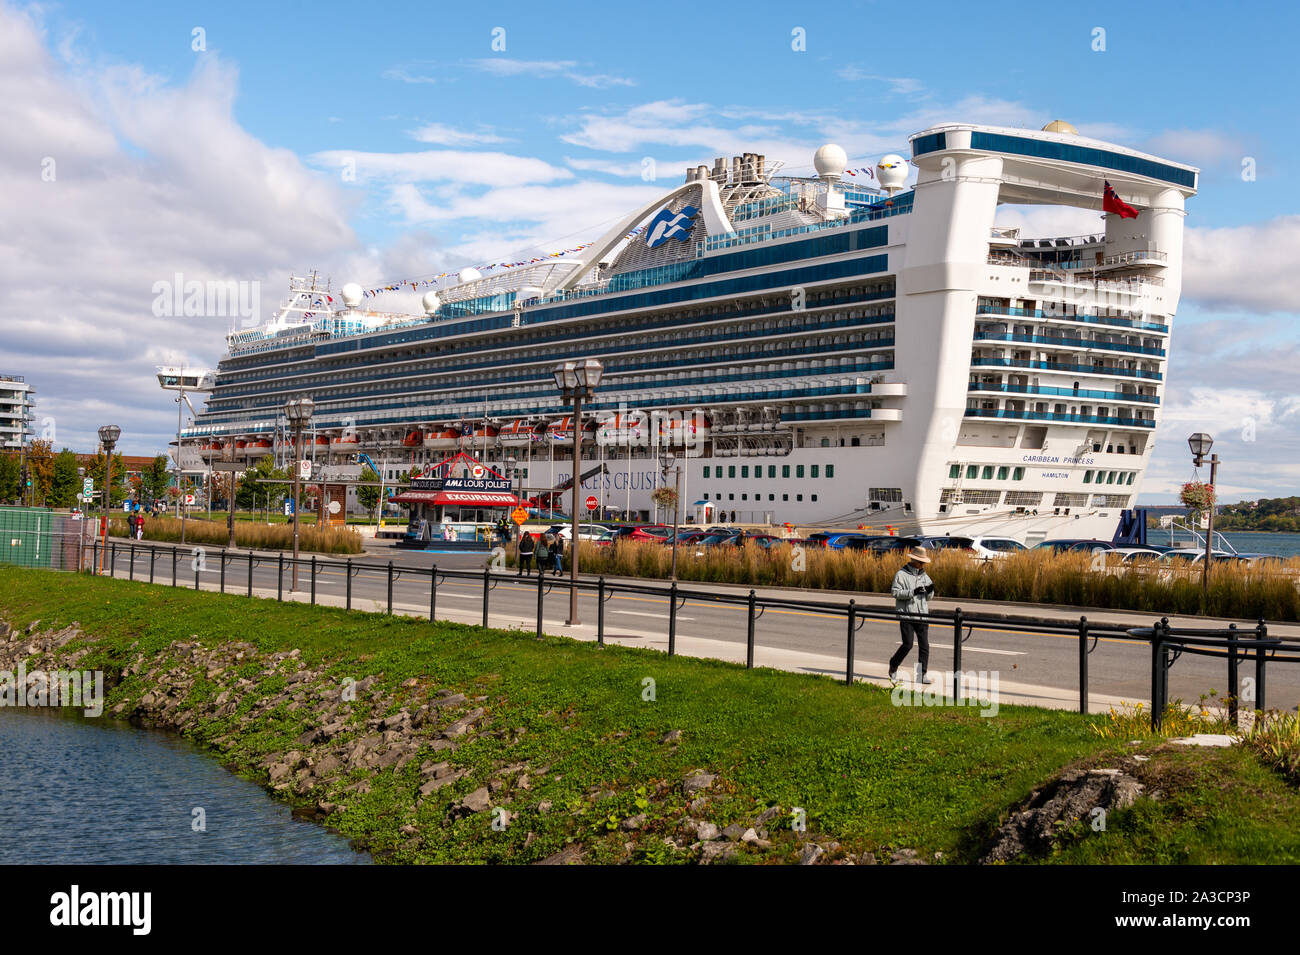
point(1197, 495)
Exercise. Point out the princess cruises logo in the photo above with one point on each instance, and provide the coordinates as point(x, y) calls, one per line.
point(670, 225)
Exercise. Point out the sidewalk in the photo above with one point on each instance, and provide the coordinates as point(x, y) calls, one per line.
point(795, 661)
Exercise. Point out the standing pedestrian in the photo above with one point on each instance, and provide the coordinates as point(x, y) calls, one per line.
point(557, 555)
point(543, 554)
point(526, 547)
point(912, 590)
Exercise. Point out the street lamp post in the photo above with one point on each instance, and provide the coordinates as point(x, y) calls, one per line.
point(667, 463)
point(108, 436)
point(1200, 444)
point(576, 380)
point(298, 411)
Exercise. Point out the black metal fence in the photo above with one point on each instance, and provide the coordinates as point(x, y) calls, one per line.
point(1235, 646)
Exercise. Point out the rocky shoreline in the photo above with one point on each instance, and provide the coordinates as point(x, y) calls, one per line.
point(323, 743)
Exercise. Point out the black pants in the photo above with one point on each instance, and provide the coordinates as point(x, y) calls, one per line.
point(525, 561)
point(922, 634)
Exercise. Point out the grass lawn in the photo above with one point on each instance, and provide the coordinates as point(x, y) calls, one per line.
point(870, 776)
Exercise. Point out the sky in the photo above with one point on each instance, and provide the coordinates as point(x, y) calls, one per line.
point(388, 141)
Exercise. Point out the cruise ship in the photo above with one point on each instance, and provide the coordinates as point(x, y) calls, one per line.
point(830, 350)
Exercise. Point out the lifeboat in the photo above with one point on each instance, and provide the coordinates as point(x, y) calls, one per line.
point(622, 430)
point(262, 444)
point(445, 440)
point(345, 441)
point(412, 439)
point(482, 432)
point(561, 432)
point(516, 433)
point(240, 445)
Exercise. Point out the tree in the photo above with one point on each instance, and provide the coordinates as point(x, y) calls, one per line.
point(40, 467)
point(254, 484)
point(95, 471)
point(156, 478)
point(10, 477)
point(65, 483)
point(368, 497)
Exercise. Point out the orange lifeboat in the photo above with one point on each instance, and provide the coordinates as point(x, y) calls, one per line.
point(412, 439)
point(445, 440)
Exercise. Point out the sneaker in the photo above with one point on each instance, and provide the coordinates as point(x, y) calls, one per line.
point(893, 676)
point(926, 678)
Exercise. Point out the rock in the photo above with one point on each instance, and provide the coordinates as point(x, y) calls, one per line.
point(749, 835)
point(699, 804)
point(523, 783)
point(1071, 797)
point(672, 736)
point(868, 858)
point(767, 815)
point(906, 857)
point(633, 822)
point(569, 855)
point(544, 806)
point(478, 800)
point(712, 852)
point(451, 699)
point(733, 832)
point(697, 782)
point(409, 830)
point(279, 772)
point(707, 832)
point(810, 853)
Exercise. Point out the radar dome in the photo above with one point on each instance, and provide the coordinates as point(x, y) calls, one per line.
point(1060, 126)
point(830, 160)
point(892, 172)
point(469, 275)
point(352, 295)
point(430, 302)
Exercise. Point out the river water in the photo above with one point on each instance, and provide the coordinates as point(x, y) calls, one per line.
point(1246, 542)
point(77, 791)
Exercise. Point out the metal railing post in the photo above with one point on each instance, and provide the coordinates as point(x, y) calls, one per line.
point(1083, 664)
point(1164, 669)
point(749, 633)
point(1233, 682)
point(348, 586)
point(130, 574)
point(223, 570)
point(541, 580)
point(151, 557)
point(173, 566)
point(390, 588)
point(672, 619)
point(112, 557)
point(853, 636)
point(94, 554)
point(956, 655)
point(279, 578)
point(313, 580)
point(487, 586)
point(600, 611)
point(433, 592)
point(250, 573)
point(1157, 664)
point(196, 573)
point(1260, 662)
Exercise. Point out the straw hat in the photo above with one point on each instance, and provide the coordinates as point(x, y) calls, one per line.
point(918, 553)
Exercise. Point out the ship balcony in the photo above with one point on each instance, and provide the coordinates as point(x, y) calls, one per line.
point(1020, 411)
point(983, 359)
point(1138, 258)
point(889, 389)
point(1063, 315)
point(1136, 285)
point(1075, 393)
point(997, 333)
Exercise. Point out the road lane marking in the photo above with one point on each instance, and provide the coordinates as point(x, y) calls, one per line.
point(642, 613)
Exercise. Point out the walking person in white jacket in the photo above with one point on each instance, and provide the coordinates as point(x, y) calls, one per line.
point(912, 590)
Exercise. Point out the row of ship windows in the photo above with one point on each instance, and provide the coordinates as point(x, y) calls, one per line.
point(977, 472)
point(715, 352)
point(758, 497)
point(1029, 498)
point(779, 314)
point(815, 470)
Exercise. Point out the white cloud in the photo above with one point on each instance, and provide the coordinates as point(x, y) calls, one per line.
point(189, 192)
point(1250, 266)
point(445, 165)
point(544, 69)
point(1196, 147)
point(407, 74)
point(442, 135)
point(901, 85)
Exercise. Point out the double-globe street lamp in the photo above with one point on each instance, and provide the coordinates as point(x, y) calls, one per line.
point(576, 380)
point(298, 411)
point(1200, 444)
point(108, 436)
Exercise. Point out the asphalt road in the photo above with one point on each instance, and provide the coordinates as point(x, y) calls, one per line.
point(791, 638)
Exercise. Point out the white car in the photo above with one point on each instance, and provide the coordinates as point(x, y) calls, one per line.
point(586, 532)
point(1135, 555)
point(995, 548)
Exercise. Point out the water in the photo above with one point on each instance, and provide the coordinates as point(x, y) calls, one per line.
point(77, 791)
point(1246, 542)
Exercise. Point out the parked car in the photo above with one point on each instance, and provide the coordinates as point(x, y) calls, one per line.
point(1135, 555)
point(586, 532)
point(995, 548)
point(684, 536)
point(833, 539)
point(647, 532)
point(1074, 546)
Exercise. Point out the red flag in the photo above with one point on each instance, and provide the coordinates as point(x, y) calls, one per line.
point(1113, 203)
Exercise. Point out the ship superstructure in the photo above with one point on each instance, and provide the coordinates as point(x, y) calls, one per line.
point(814, 350)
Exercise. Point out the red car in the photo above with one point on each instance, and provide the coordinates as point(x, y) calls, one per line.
point(648, 532)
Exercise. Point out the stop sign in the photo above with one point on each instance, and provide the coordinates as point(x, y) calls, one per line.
point(592, 503)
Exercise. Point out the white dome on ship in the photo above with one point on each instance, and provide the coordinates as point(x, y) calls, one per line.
point(830, 160)
point(891, 171)
point(430, 302)
point(352, 295)
point(469, 275)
